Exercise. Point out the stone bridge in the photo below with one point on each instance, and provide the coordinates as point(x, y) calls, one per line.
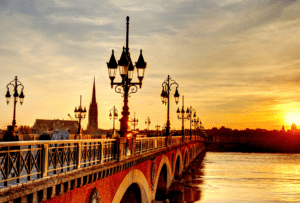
point(136, 170)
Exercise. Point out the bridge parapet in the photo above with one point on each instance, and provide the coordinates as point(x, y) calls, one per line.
point(24, 161)
point(143, 145)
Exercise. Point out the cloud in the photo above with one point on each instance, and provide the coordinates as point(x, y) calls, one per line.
point(226, 56)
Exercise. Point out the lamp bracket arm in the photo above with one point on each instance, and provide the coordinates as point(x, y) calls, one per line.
point(164, 85)
point(174, 83)
point(132, 88)
point(134, 83)
point(116, 83)
point(20, 84)
point(119, 89)
point(10, 84)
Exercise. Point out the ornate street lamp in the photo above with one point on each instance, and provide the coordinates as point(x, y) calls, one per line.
point(157, 129)
point(126, 87)
point(201, 129)
point(165, 98)
point(80, 113)
point(182, 115)
point(113, 114)
point(190, 117)
point(147, 123)
point(195, 123)
point(134, 121)
point(15, 83)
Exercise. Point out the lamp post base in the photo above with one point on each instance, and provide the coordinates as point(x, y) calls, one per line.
point(10, 134)
point(121, 145)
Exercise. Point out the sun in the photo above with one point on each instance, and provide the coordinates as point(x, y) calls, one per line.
point(292, 117)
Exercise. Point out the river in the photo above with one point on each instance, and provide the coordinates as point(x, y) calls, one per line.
point(248, 177)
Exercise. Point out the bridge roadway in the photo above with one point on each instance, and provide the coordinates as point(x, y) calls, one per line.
point(136, 170)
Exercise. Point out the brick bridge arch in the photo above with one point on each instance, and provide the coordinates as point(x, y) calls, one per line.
point(163, 162)
point(133, 176)
point(178, 165)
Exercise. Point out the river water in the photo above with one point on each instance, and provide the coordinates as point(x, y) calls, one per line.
point(248, 177)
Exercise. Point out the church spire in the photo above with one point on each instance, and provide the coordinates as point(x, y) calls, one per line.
point(94, 93)
point(93, 113)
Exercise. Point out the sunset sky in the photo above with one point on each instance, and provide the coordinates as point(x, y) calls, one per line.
point(236, 61)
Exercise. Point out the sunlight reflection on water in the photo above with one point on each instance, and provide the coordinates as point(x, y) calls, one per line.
point(250, 177)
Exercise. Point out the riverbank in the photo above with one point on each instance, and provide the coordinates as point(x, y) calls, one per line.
point(250, 147)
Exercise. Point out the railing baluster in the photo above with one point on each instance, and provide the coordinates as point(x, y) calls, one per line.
point(29, 161)
point(78, 157)
point(102, 155)
point(19, 172)
point(148, 145)
point(44, 160)
point(7, 167)
point(68, 156)
point(140, 146)
point(55, 155)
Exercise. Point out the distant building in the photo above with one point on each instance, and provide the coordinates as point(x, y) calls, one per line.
point(294, 129)
point(92, 126)
point(42, 125)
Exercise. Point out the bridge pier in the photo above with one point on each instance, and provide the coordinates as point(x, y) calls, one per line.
point(176, 192)
point(121, 147)
point(183, 187)
point(187, 175)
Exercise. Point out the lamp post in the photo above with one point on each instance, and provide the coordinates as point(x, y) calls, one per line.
point(190, 117)
point(126, 86)
point(15, 83)
point(165, 97)
point(157, 128)
point(134, 121)
point(147, 123)
point(182, 115)
point(80, 113)
point(201, 129)
point(113, 114)
point(195, 123)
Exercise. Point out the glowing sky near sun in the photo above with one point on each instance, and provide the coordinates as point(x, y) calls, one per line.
point(236, 61)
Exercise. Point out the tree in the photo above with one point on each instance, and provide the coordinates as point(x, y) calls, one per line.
point(294, 127)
